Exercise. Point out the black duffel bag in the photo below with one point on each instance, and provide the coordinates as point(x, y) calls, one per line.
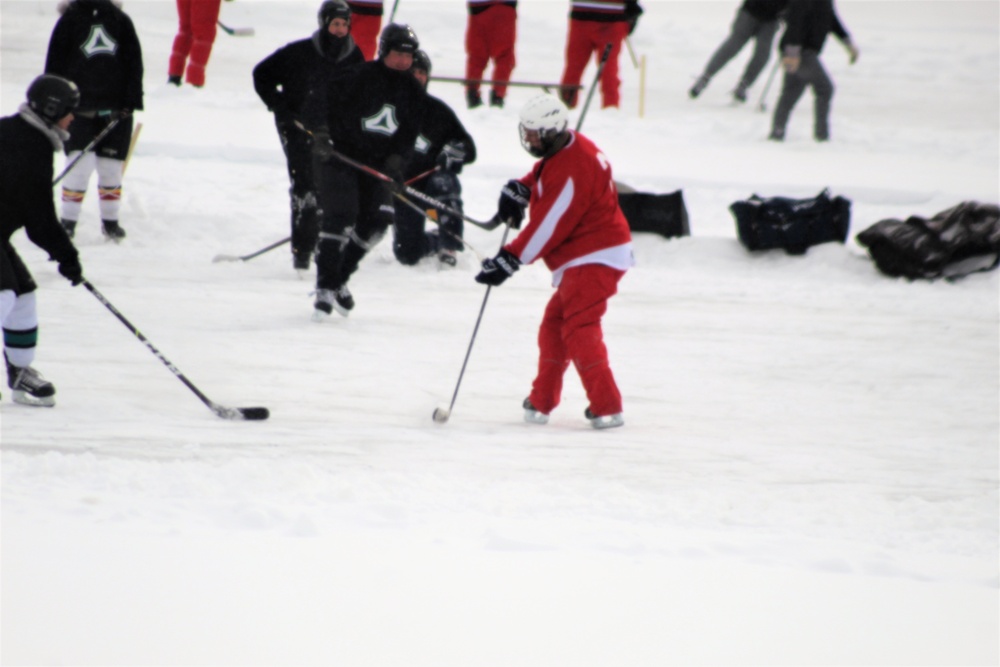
point(791, 224)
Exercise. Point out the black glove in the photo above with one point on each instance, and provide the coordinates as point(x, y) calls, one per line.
point(322, 146)
point(71, 270)
point(514, 198)
point(498, 269)
point(393, 168)
point(452, 157)
point(632, 13)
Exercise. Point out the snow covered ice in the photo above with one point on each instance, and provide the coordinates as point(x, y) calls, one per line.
point(808, 472)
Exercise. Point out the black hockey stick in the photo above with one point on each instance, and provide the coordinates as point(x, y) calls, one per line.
point(442, 414)
point(487, 82)
point(761, 107)
point(89, 147)
point(436, 222)
point(416, 194)
point(593, 86)
point(243, 258)
point(249, 414)
point(239, 32)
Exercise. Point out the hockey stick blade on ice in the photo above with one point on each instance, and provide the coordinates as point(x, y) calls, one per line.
point(248, 414)
point(243, 258)
point(238, 32)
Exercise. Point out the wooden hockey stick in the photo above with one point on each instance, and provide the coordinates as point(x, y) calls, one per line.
point(131, 146)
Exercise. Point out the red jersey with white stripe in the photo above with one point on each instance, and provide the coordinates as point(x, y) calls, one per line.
point(573, 215)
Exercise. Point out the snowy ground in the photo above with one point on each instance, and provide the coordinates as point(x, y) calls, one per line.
point(809, 468)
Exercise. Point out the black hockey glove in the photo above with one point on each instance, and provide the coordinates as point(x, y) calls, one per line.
point(393, 168)
point(514, 198)
point(71, 270)
point(452, 157)
point(322, 147)
point(498, 269)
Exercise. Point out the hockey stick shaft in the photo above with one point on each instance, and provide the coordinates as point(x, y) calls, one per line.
point(131, 146)
point(593, 86)
point(225, 413)
point(89, 147)
point(631, 52)
point(525, 84)
point(475, 331)
point(238, 32)
point(450, 233)
point(392, 14)
point(767, 86)
point(243, 258)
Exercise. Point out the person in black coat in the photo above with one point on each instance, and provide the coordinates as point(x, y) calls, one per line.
point(809, 22)
point(284, 80)
point(370, 113)
point(757, 20)
point(28, 140)
point(443, 147)
point(94, 44)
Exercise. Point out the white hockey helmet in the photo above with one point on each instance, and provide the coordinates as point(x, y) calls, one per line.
point(549, 117)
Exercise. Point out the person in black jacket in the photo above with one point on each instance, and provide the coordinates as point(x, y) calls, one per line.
point(756, 19)
point(284, 80)
point(94, 45)
point(370, 114)
point(809, 22)
point(443, 147)
point(28, 140)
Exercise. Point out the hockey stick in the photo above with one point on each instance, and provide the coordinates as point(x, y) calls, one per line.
point(243, 258)
point(761, 107)
point(593, 86)
point(249, 414)
point(392, 14)
point(635, 61)
point(436, 222)
point(442, 414)
point(131, 146)
point(89, 147)
point(527, 84)
point(239, 32)
point(417, 194)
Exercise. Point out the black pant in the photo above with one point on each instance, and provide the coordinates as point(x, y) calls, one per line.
point(87, 125)
point(809, 74)
point(411, 242)
point(302, 193)
point(355, 211)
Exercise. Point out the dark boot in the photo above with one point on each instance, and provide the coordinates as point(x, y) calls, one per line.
point(112, 230)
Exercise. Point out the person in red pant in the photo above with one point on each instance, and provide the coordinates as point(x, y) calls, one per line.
point(577, 228)
point(197, 21)
point(490, 34)
point(592, 25)
point(366, 23)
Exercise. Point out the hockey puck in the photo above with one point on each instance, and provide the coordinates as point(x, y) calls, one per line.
point(441, 415)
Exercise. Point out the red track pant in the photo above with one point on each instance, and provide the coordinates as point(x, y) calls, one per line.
point(195, 36)
point(491, 34)
point(590, 37)
point(365, 29)
point(571, 332)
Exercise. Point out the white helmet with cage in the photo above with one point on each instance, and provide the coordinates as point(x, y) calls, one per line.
point(549, 117)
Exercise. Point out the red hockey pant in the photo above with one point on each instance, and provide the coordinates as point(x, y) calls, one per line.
point(571, 332)
point(590, 37)
point(491, 34)
point(365, 29)
point(195, 36)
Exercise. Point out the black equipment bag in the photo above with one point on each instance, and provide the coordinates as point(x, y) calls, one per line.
point(791, 224)
point(660, 214)
point(954, 243)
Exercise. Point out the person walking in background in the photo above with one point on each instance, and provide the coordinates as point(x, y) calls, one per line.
point(197, 27)
point(577, 228)
point(757, 20)
point(366, 25)
point(370, 115)
point(808, 23)
point(28, 140)
point(442, 148)
point(284, 80)
point(490, 35)
point(593, 25)
point(94, 44)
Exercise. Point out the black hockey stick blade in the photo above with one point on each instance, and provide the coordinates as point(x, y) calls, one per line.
point(239, 32)
point(246, 414)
